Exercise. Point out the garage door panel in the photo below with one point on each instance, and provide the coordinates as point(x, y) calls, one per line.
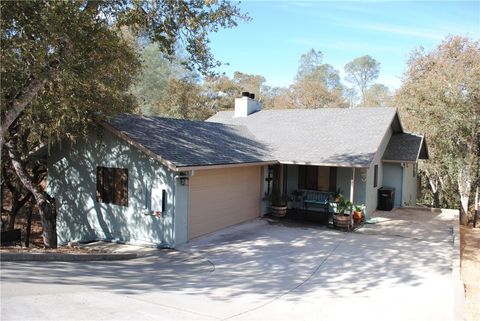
point(223, 197)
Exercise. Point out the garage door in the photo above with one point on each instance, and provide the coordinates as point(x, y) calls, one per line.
point(223, 197)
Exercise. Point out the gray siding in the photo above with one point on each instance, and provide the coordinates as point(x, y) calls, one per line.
point(392, 177)
point(371, 192)
point(409, 189)
point(72, 181)
point(360, 188)
point(344, 175)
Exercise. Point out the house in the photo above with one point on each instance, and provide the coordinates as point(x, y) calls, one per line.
point(163, 181)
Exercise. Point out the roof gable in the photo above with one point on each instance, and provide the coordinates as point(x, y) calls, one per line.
point(405, 147)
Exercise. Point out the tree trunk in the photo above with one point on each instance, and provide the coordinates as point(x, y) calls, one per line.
point(435, 193)
point(45, 203)
point(464, 188)
point(29, 226)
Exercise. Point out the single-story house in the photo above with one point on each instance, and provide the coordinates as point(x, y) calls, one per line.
point(164, 181)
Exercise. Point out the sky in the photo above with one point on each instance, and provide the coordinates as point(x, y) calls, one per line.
point(281, 31)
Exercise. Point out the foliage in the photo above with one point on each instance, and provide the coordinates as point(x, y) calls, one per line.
point(343, 205)
point(316, 85)
point(308, 63)
point(277, 199)
point(361, 72)
point(64, 63)
point(378, 95)
point(440, 96)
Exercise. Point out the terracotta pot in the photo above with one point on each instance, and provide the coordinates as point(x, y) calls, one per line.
point(279, 211)
point(357, 215)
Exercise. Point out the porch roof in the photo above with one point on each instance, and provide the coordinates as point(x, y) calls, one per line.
point(405, 147)
point(324, 136)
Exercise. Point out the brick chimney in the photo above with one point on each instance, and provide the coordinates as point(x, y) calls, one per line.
point(246, 105)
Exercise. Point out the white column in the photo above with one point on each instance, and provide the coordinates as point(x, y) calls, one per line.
point(352, 185)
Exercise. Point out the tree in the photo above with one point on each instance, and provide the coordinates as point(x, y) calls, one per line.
point(184, 99)
point(308, 63)
point(63, 62)
point(361, 72)
point(151, 86)
point(317, 85)
point(378, 95)
point(440, 96)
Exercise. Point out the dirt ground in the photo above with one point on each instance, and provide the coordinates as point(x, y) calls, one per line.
point(470, 269)
point(36, 240)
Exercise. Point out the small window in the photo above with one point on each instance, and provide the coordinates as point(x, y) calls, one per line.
point(112, 185)
point(375, 176)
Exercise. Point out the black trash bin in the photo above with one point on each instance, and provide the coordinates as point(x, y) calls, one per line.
point(386, 197)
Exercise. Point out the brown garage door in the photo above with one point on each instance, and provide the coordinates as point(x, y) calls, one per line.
point(223, 197)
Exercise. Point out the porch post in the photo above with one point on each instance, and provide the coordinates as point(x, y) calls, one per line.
point(352, 185)
point(281, 183)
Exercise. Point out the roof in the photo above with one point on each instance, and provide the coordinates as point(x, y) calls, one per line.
point(185, 143)
point(405, 147)
point(324, 136)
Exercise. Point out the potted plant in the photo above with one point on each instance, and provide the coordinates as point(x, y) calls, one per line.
point(279, 204)
point(342, 216)
point(296, 198)
point(357, 213)
point(338, 195)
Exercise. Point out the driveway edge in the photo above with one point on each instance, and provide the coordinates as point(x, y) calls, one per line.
point(458, 286)
point(66, 257)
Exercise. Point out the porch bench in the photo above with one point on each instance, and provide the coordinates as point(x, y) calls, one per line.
point(316, 198)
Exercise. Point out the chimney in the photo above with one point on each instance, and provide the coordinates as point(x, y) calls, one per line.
point(246, 105)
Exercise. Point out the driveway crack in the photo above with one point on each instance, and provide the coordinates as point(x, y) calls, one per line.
point(295, 287)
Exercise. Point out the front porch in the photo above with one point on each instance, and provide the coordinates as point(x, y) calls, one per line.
point(292, 181)
point(310, 191)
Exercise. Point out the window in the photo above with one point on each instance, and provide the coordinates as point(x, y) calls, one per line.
point(375, 176)
point(320, 178)
point(112, 185)
point(308, 177)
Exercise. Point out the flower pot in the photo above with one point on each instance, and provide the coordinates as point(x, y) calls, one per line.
point(357, 216)
point(342, 221)
point(279, 211)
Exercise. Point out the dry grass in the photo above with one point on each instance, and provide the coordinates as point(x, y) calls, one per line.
point(470, 269)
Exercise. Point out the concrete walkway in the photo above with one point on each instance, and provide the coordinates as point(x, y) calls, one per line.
point(262, 270)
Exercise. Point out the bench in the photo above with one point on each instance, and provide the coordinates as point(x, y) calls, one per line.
point(12, 236)
point(316, 198)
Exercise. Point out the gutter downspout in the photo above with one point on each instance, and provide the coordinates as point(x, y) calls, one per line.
point(175, 178)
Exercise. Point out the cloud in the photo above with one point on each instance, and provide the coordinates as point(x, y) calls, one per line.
point(400, 30)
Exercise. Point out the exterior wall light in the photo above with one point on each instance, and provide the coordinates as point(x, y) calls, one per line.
point(183, 178)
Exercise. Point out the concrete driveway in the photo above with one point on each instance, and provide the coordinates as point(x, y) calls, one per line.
point(394, 270)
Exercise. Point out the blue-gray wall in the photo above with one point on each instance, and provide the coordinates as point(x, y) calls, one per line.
point(404, 179)
point(371, 191)
point(392, 177)
point(72, 181)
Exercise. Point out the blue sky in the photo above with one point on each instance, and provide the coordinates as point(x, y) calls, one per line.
point(280, 31)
